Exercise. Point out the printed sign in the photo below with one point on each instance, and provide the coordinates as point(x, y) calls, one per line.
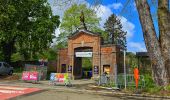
point(69, 69)
point(58, 77)
point(83, 54)
point(96, 69)
point(34, 76)
point(30, 76)
point(25, 76)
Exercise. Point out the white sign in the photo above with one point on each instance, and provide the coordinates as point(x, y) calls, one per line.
point(83, 54)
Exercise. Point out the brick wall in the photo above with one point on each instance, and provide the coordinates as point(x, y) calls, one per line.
point(102, 54)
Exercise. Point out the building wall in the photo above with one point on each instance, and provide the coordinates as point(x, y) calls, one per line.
point(62, 59)
point(85, 40)
point(109, 57)
point(103, 55)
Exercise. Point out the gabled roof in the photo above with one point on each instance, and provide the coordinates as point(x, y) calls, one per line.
point(80, 31)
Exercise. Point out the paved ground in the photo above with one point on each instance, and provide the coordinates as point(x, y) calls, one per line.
point(8, 92)
point(56, 95)
point(81, 90)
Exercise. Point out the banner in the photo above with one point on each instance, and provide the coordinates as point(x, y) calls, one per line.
point(25, 76)
point(83, 54)
point(28, 76)
point(58, 77)
point(96, 69)
point(69, 69)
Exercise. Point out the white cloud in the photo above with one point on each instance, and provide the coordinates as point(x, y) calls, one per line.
point(116, 6)
point(127, 26)
point(136, 46)
point(59, 10)
point(103, 12)
point(57, 32)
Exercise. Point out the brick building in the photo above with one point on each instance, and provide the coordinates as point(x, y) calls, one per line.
point(84, 43)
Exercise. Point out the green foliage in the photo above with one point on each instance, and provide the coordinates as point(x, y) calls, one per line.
point(49, 54)
point(16, 57)
point(115, 33)
point(167, 87)
point(71, 21)
point(132, 60)
point(154, 90)
point(26, 26)
point(150, 86)
point(18, 69)
point(1, 56)
point(86, 63)
point(149, 82)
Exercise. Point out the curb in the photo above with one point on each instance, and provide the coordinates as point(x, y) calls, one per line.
point(114, 93)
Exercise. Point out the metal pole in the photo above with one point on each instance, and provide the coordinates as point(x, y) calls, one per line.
point(100, 65)
point(116, 75)
point(125, 68)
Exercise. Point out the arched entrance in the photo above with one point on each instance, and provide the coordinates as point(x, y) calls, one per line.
point(86, 46)
point(83, 62)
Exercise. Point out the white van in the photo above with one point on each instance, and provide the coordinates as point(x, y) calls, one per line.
point(6, 69)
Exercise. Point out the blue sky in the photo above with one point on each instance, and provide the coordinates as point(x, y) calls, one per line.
point(129, 19)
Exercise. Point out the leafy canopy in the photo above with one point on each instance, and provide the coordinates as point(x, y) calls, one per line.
point(115, 34)
point(71, 21)
point(26, 26)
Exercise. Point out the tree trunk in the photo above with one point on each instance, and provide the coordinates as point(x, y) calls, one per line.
point(8, 49)
point(164, 32)
point(152, 43)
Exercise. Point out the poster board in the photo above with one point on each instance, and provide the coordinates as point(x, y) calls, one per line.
point(59, 77)
point(30, 76)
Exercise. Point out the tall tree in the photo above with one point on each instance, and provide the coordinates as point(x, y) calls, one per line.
point(159, 51)
point(71, 21)
point(113, 27)
point(26, 26)
point(164, 32)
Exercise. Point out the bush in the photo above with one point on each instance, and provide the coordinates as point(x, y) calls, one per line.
point(155, 89)
point(149, 82)
point(18, 69)
point(167, 88)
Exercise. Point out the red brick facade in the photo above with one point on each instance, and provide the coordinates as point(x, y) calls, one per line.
point(103, 56)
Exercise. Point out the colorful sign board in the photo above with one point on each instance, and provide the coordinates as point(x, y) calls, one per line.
point(58, 77)
point(30, 76)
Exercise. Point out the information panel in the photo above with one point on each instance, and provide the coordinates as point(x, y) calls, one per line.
point(83, 54)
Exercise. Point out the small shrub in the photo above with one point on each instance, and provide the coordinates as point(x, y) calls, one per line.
point(167, 88)
point(154, 90)
point(149, 82)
